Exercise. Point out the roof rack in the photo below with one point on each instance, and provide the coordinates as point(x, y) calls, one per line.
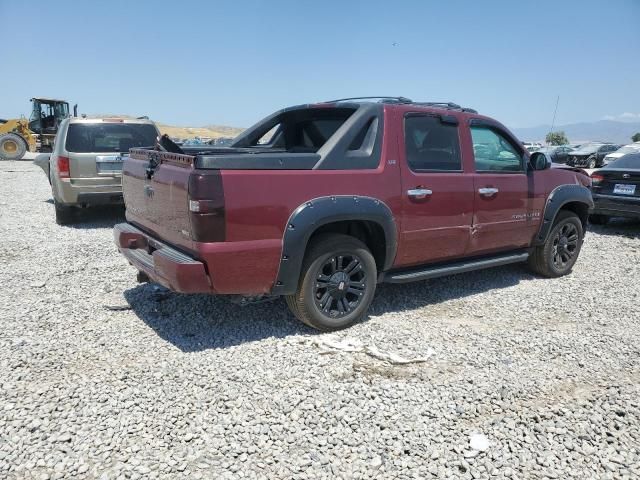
point(447, 105)
point(408, 101)
point(382, 98)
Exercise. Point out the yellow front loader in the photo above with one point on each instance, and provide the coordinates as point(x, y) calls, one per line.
point(16, 139)
point(19, 136)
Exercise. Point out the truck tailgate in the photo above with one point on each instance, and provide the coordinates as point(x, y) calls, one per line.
point(156, 192)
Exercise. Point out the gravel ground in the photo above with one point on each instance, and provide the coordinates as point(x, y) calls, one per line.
point(103, 378)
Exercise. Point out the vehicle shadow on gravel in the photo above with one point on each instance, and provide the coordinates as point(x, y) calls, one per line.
point(399, 297)
point(201, 322)
point(625, 227)
point(96, 217)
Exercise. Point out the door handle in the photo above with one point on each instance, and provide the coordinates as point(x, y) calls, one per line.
point(488, 192)
point(419, 193)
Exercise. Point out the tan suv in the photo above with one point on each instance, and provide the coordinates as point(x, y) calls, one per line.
point(85, 167)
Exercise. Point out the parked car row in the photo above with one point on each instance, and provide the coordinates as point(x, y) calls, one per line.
point(589, 155)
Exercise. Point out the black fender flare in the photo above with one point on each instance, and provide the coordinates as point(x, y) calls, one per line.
point(311, 215)
point(558, 198)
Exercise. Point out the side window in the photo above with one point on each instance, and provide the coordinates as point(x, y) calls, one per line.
point(493, 152)
point(431, 145)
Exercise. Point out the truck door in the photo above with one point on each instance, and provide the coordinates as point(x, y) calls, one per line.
point(437, 194)
point(505, 216)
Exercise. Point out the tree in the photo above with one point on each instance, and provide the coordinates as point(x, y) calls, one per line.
point(557, 138)
point(636, 137)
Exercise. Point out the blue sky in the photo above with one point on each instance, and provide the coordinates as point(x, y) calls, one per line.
point(232, 62)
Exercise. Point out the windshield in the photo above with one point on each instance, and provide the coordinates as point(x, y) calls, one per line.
point(61, 110)
point(109, 137)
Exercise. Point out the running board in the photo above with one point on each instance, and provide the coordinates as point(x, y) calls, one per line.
point(463, 266)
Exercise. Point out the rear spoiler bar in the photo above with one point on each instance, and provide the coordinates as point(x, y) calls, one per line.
point(155, 157)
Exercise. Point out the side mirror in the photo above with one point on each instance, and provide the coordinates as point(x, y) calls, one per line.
point(539, 161)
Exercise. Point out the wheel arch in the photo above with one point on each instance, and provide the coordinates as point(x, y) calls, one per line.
point(574, 198)
point(368, 219)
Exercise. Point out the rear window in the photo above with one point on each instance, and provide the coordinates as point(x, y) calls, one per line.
point(628, 161)
point(299, 130)
point(109, 137)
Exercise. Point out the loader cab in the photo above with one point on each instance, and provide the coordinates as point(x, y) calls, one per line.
point(46, 115)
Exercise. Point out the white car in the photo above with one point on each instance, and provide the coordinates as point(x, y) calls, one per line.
point(631, 148)
point(532, 146)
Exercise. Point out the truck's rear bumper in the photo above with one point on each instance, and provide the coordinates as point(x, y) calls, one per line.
point(162, 263)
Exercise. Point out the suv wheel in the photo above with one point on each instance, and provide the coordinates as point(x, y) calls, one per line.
point(337, 283)
point(598, 219)
point(64, 214)
point(559, 253)
point(592, 162)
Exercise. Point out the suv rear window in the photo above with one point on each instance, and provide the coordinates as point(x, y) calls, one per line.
point(109, 137)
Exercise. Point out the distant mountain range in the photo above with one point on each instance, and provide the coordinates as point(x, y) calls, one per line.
point(602, 130)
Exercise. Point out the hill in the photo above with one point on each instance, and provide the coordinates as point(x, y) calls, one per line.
point(602, 130)
point(211, 131)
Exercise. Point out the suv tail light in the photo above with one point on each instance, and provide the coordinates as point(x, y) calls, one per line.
point(206, 207)
point(63, 167)
point(596, 179)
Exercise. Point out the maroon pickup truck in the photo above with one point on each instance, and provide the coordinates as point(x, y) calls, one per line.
point(321, 202)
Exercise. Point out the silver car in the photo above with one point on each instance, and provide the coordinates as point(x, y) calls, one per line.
point(85, 167)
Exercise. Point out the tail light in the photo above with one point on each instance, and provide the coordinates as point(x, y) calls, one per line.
point(63, 167)
point(206, 207)
point(596, 179)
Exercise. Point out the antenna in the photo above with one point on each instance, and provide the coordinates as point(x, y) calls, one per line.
point(553, 122)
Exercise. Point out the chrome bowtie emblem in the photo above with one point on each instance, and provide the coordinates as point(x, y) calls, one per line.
point(626, 175)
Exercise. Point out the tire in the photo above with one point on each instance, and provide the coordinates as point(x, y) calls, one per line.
point(12, 147)
point(598, 219)
point(592, 162)
point(344, 294)
point(64, 214)
point(560, 245)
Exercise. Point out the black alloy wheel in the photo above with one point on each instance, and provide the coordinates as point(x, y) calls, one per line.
point(565, 245)
point(559, 253)
point(340, 283)
point(337, 282)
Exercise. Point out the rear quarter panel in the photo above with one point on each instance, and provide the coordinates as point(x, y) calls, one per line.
point(259, 203)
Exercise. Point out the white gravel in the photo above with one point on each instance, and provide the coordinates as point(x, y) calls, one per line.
point(103, 378)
